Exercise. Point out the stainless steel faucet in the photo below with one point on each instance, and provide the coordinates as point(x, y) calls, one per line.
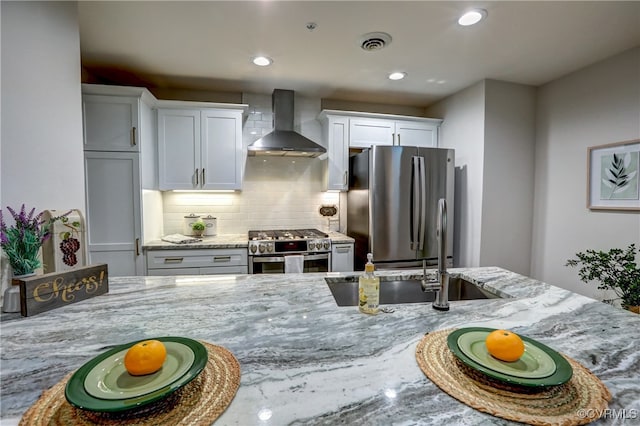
point(441, 285)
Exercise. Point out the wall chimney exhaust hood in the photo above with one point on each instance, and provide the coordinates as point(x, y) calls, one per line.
point(284, 141)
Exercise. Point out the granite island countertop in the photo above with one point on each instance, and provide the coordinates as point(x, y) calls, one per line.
point(309, 361)
point(223, 241)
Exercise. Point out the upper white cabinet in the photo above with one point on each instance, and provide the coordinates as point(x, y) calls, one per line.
point(111, 123)
point(342, 130)
point(335, 131)
point(200, 149)
point(365, 132)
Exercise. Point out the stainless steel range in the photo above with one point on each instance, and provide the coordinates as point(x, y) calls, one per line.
point(267, 250)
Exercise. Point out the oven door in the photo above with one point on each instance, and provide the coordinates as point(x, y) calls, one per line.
point(317, 262)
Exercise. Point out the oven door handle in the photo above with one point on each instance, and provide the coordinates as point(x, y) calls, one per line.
point(276, 259)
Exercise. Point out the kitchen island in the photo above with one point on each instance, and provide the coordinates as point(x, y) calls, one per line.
point(303, 359)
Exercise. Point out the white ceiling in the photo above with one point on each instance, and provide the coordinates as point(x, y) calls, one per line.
point(208, 45)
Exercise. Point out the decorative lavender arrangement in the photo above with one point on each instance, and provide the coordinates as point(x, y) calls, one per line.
point(22, 241)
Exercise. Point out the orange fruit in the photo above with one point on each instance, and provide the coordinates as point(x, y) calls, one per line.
point(145, 357)
point(505, 345)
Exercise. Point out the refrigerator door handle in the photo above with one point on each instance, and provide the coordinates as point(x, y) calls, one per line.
point(415, 206)
point(423, 204)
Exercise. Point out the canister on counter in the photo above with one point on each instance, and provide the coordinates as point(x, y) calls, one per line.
point(188, 221)
point(210, 225)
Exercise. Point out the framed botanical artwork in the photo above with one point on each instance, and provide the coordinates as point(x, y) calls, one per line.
point(614, 176)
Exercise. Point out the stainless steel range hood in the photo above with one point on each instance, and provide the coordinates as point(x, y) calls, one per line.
point(284, 141)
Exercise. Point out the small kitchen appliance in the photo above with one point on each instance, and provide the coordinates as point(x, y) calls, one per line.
point(267, 250)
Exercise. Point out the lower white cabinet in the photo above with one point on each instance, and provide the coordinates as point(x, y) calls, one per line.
point(342, 257)
point(197, 262)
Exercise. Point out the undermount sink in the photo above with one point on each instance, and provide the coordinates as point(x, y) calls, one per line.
point(394, 290)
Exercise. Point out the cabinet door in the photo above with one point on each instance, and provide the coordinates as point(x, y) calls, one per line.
point(179, 149)
point(338, 154)
point(221, 150)
point(110, 123)
point(342, 257)
point(410, 133)
point(366, 132)
point(113, 211)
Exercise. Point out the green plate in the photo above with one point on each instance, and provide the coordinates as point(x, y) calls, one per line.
point(77, 395)
point(110, 379)
point(533, 364)
point(562, 373)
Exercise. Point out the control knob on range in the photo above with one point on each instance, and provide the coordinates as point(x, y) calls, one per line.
point(326, 245)
point(312, 246)
point(261, 248)
point(253, 248)
point(270, 247)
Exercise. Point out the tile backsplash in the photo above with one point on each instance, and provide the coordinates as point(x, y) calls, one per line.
point(277, 192)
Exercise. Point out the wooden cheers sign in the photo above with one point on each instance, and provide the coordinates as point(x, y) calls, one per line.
point(43, 293)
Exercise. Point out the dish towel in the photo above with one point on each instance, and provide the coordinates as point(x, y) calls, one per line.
point(180, 239)
point(293, 264)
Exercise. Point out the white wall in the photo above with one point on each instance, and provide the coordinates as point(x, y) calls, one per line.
point(42, 161)
point(593, 106)
point(491, 126)
point(508, 179)
point(463, 130)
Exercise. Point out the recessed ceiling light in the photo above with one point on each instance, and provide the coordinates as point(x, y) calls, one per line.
point(262, 61)
point(397, 75)
point(472, 17)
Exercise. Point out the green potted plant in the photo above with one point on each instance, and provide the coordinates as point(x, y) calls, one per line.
point(614, 270)
point(197, 228)
point(22, 240)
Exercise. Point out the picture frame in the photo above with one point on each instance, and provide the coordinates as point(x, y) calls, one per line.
point(613, 176)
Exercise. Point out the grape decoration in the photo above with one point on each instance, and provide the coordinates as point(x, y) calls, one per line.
point(69, 247)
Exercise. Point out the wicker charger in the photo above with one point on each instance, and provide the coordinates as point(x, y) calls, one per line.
point(200, 402)
point(579, 401)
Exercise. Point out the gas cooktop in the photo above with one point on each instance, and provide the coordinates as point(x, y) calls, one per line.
point(286, 234)
point(290, 241)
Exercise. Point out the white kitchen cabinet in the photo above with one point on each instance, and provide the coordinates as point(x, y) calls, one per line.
point(342, 257)
point(336, 134)
point(119, 161)
point(197, 261)
point(343, 130)
point(365, 132)
point(110, 123)
point(200, 149)
point(113, 211)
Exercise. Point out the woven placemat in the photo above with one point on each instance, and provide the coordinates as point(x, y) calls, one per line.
point(579, 401)
point(198, 403)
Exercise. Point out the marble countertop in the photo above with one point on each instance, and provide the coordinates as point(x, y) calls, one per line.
point(305, 360)
point(227, 241)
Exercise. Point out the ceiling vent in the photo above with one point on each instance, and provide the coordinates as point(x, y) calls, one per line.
point(374, 41)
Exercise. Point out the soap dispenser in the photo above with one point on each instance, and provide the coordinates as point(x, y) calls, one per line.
point(369, 289)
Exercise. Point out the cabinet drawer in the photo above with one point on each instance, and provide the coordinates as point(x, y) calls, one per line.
point(191, 258)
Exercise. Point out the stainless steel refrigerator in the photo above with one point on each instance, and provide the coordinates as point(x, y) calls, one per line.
point(392, 205)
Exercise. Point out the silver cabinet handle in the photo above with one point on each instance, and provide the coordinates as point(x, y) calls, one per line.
point(133, 136)
point(173, 259)
point(393, 139)
point(202, 177)
point(398, 139)
point(137, 246)
point(197, 174)
point(343, 249)
point(346, 177)
point(222, 258)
